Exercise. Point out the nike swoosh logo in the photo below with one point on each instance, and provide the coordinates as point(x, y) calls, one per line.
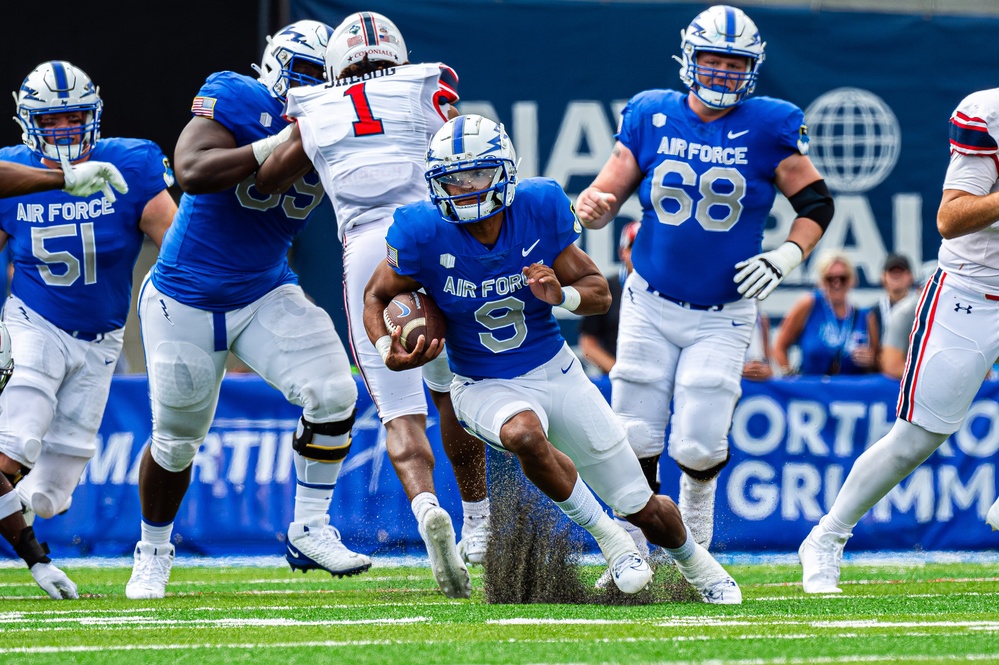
point(735, 135)
point(108, 362)
point(566, 370)
point(525, 252)
point(403, 310)
point(739, 323)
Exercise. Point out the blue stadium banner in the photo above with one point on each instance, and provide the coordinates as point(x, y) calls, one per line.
point(876, 91)
point(793, 442)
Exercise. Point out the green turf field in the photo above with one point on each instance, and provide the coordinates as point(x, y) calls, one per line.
point(934, 613)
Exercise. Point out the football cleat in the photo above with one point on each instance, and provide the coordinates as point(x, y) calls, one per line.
point(607, 578)
point(631, 573)
point(449, 571)
point(820, 555)
point(474, 542)
point(706, 575)
point(151, 571)
point(315, 545)
point(992, 518)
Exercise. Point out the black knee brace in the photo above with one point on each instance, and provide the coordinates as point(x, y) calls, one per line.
point(650, 467)
point(29, 549)
point(706, 474)
point(303, 444)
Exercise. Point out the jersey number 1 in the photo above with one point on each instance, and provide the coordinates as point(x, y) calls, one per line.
point(366, 124)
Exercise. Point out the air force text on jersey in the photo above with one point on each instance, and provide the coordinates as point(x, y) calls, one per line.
point(500, 286)
point(68, 211)
point(709, 154)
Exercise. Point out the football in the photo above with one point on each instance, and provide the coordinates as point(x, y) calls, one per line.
point(417, 314)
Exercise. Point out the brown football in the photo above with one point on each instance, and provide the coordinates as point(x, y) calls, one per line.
point(417, 314)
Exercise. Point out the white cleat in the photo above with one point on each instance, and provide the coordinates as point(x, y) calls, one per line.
point(820, 555)
point(641, 544)
point(631, 573)
point(992, 518)
point(315, 545)
point(706, 575)
point(474, 543)
point(449, 571)
point(151, 571)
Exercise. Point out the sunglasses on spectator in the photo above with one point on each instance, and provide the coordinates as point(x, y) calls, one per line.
point(836, 279)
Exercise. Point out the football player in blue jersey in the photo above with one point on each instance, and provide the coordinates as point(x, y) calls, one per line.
point(72, 285)
point(368, 171)
point(706, 165)
point(222, 284)
point(497, 255)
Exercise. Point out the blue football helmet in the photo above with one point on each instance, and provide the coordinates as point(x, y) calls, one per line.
point(727, 31)
point(301, 41)
point(59, 87)
point(476, 155)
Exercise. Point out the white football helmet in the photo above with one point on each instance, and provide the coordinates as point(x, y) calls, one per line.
point(728, 31)
point(300, 41)
point(476, 154)
point(59, 87)
point(364, 34)
point(6, 357)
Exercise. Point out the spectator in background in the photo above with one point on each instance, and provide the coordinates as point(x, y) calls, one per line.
point(758, 365)
point(598, 333)
point(895, 345)
point(831, 333)
point(897, 281)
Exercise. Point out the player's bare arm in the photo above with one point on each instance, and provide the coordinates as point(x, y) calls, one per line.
point(157, 216)
point(961, 212)
point(284, 166)
point(18, 179)
point(384, 284)
point(790, 330)
point(207, 159)
point(572, 269)
point(599, 203)
point(796, 176)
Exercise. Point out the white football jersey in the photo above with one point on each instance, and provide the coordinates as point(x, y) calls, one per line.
point(974, 143)
point(367, 136)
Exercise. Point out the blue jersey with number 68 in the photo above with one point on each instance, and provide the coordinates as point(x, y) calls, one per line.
point(227, 249)
point(496, 327)
point(707, 189)
point(73, 257)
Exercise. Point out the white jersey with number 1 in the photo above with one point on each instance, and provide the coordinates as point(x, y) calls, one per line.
point(368, 136)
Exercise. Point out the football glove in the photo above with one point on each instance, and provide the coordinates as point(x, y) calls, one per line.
point(759, 275)
point(91, 177)
point(53, 581)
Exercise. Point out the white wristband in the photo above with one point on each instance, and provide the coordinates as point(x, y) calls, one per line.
point(570, 298)
point(263, 148)
point(383, 344)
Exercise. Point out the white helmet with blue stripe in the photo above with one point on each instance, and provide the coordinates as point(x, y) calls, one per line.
point(302, 41)
point(471, 169)
point(59, 87)
point(726, 31)
point(364, 35)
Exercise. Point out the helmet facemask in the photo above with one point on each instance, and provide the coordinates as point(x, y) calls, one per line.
point(300, 42)
point(58, 87)
point(474, 154)
point(724, 31)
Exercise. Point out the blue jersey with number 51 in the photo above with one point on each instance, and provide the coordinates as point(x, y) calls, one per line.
point(707, 189)
point(227, 249)
point(73, 257)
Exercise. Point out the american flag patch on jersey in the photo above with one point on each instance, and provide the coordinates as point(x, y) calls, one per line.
point(392, 255)
point(203, 106)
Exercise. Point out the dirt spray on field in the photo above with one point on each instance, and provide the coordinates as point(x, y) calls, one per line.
point(535, 551)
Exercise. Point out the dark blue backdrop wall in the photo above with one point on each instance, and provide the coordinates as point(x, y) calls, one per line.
point(878, 90)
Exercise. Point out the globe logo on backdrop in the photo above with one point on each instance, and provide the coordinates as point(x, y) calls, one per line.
point(855, 139)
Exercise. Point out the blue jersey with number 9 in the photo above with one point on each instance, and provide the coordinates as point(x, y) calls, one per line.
point(496, 327)
point(707, 189)
point(227, 249)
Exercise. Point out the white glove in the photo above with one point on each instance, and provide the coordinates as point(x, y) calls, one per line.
point(759, 275)
point(263, 148)
point(91, 177)
point(53, 581)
